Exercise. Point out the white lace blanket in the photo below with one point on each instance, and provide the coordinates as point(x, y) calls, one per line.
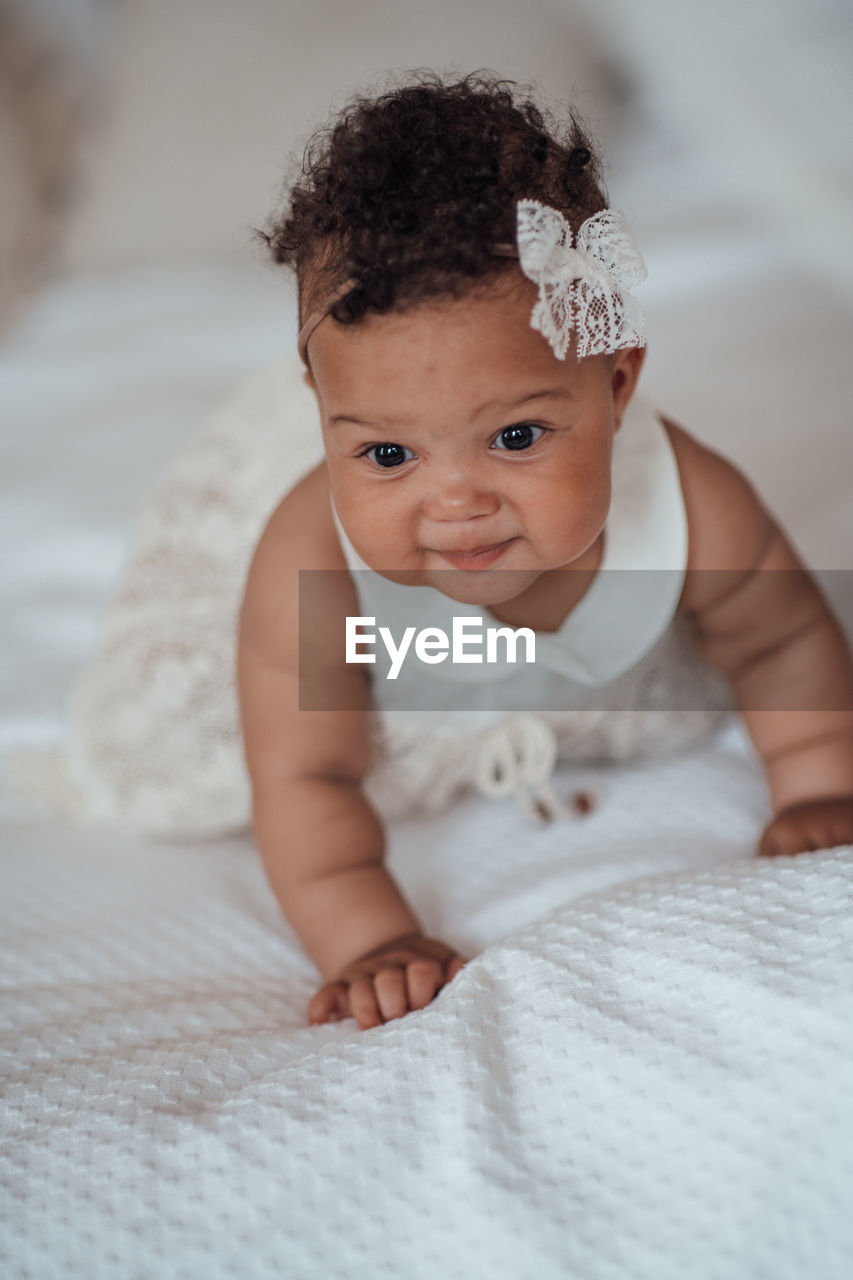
point(645, 1070)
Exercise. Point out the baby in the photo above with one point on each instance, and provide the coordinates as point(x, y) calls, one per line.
point(468, 329)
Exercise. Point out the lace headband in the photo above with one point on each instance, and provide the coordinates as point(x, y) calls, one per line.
point(584, 287)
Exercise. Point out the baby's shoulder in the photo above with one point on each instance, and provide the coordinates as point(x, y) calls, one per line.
point(291, 652)
point(301, 531)
point(728, 527)
point(299, 535)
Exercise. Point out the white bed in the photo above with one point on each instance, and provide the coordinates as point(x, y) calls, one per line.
point(645, 1068)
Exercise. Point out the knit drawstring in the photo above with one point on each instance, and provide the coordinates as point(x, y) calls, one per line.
point(518, 755)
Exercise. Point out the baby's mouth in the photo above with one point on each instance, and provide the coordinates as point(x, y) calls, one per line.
point(480, 559)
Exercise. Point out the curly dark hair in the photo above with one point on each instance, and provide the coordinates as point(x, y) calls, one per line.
point(408, 193)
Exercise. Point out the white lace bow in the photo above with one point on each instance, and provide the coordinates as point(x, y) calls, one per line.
point(584, 288)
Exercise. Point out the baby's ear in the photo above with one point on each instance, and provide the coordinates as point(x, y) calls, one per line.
point(308, 379)
point(625, 373)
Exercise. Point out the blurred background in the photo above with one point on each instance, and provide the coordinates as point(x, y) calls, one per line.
point(141, 140)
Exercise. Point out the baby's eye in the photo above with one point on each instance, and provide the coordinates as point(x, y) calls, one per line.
point(519, 436)
point(387, 455)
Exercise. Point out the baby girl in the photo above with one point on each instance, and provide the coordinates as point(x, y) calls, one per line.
point(469, 331)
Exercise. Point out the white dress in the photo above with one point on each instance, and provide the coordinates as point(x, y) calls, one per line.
point(153, 736)
point(622, 677)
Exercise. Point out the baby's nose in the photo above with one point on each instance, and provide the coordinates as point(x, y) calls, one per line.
point(460, 499)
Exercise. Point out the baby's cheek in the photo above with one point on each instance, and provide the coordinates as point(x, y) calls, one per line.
point(567, 518)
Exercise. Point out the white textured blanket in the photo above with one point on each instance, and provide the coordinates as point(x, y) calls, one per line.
point(645, 1070)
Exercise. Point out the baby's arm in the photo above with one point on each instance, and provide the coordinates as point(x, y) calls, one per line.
point(765, 623)
point(321, 842)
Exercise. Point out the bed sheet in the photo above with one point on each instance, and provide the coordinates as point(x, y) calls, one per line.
point(645, 1068)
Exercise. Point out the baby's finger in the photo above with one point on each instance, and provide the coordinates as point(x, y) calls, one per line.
point(457, 963)
point(331, 999)
point(390, 987)
point(362, 1001)
point(423, 978)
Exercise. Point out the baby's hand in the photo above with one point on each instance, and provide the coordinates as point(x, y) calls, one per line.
point(810, 825)
point(388, 982)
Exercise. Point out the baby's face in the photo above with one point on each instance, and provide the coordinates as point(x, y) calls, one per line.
point(452, 427)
